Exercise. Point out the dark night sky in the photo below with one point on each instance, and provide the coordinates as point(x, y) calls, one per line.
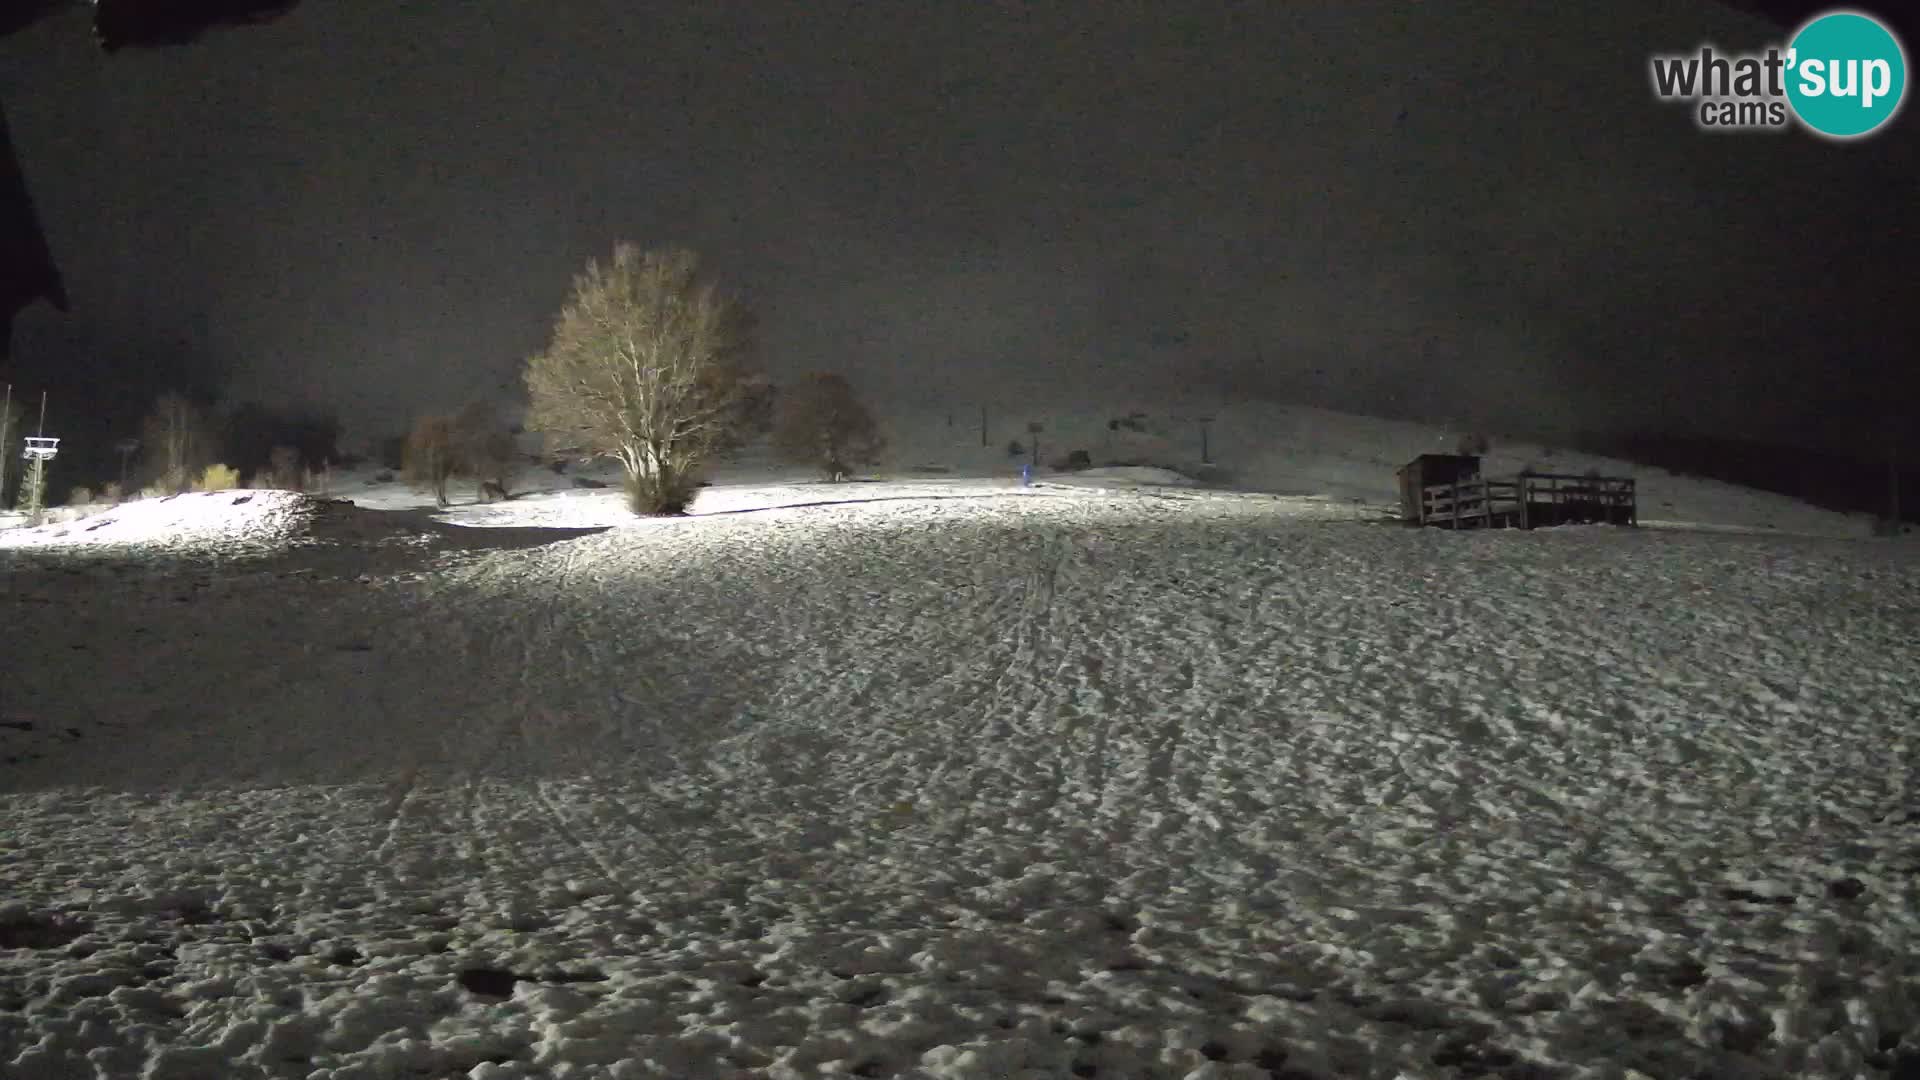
point(1452, 212)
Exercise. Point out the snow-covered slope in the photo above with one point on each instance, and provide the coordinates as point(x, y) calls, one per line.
point(958, 779)
point(1296, 450)
point(1250, 446)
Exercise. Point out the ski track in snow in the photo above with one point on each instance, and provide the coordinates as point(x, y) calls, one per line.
point(1100, 784)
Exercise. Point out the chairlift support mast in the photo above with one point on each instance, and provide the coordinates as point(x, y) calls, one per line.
point(39, 450)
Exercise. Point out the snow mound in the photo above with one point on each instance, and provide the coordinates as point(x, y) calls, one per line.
point(208, 521)
point(228, 525)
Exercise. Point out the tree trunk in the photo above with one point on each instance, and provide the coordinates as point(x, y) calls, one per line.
point(6, 418)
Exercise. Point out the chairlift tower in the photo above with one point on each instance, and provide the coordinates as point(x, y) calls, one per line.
point(33, 490)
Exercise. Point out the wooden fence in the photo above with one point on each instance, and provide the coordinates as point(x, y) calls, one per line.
point(1529, 500)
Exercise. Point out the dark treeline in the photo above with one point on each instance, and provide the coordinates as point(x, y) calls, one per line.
point(243, 435)
point(250, 433)
point(1826, 479)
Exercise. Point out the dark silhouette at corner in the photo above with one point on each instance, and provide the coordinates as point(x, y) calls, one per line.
point(120, 24)
point(27, 272)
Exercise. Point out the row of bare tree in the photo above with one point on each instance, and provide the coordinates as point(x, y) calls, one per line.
point(181, 439)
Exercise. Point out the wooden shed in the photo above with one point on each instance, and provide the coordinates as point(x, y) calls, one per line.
point(1448, 491)
point(1427, 469)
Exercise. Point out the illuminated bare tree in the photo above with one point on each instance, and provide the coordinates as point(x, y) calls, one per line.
point(646, 366)
point(179, 437)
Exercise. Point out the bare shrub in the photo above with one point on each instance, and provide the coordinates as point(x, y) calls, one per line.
point(646, 366)
point(663, 495)
point(81, 495)
point(429, 460)
point(484, 448)
point(822, 422)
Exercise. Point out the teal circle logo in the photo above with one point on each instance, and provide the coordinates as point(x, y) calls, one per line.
point(1846, 74)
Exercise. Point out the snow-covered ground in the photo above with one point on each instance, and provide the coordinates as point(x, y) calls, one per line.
point(944, 776)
